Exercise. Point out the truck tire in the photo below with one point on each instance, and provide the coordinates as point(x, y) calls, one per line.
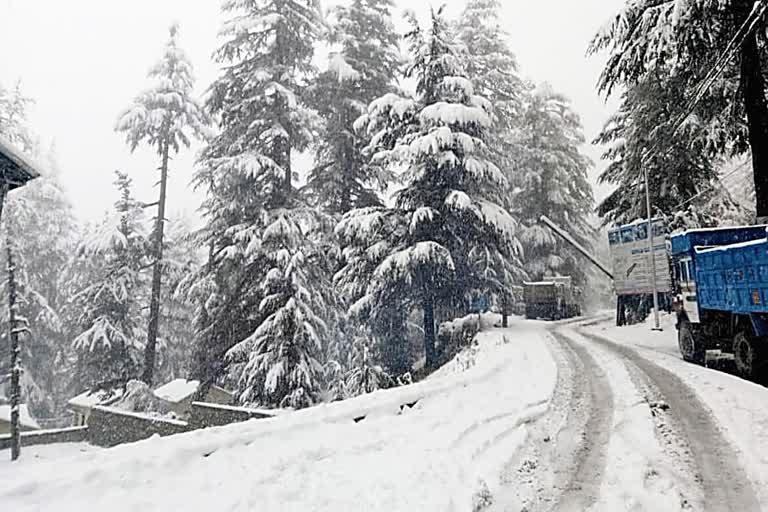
point(691, 345)
point(748, 355)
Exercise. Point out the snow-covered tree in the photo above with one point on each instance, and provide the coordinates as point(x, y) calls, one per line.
point(13, 117)
point(448, 210)
point(40, 221)
point(181, 258)
point(362, 66)
point(280, 360)
point(493, 68)
point(261, 296)
point(106, 290)
point(364, 374)
point(684, 181)
point(551, 180)
point(679, 41)
point(165, 117)
point(492, 64)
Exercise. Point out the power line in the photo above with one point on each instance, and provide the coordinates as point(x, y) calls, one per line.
point(749, 25)
point(712, 187)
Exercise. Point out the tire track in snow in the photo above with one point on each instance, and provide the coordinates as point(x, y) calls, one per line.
point(583, 488)
point(723, 481)
point(560, 467)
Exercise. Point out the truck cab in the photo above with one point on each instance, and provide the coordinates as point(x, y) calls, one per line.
point(721, 295)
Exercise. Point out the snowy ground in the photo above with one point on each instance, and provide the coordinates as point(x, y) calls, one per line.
point(570, 416)
point(470, 421)
point(43, 453)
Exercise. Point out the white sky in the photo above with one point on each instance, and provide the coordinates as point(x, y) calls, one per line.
point(84, 60)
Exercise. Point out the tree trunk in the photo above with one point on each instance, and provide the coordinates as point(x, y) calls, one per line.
point(154, 305)
point(15, 363)
point(287, 178)
point(429, 331)
point(757, 121)
point(504, 311)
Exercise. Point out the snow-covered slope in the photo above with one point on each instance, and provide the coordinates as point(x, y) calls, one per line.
point(469, 421)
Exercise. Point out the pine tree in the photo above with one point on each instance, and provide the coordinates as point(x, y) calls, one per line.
point(362, 68)
point(684, 183)
point(552, 181)
point(494, 71)
point(680, 41)
point(261, 309)
point(13, 116)
point(492, 64)
point(40, 220)
point(164, 117)
point(451, 189)
point(106, 290)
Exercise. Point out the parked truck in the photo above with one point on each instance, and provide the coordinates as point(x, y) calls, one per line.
point(554, 299)
point(721, 296)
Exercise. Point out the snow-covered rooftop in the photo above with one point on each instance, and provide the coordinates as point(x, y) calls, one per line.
point(749, 243)
point(89, 399)
point(177, 390)
point(25, 419)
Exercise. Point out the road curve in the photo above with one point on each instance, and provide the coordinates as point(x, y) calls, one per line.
point(723, 481)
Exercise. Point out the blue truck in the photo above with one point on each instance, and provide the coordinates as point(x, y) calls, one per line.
point(721, 296)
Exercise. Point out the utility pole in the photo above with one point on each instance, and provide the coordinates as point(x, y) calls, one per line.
point(15, 352)
point(651, 254)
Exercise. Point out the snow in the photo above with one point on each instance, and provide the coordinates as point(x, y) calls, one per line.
point(177, 390)
point(737, 405)
point(701, 250)
point(265, 412)
point(454, 113)
point(25, 419)
point(341, 68)
point(463, 428)
point(90, 399)
point(44, 453)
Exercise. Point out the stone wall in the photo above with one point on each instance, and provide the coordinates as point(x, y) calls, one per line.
point(35, 437)
point(109, 427)
point(204, 415)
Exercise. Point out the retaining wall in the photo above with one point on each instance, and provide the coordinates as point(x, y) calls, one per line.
point(109, 427)
point(36, 437)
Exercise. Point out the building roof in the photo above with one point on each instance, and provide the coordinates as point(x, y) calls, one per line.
point(177, 390)
point(16, 167)
point(90, 399)
point(25, 419)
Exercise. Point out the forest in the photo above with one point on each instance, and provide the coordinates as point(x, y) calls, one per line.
point(433, 160)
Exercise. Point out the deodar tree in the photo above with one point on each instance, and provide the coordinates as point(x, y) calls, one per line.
point(680, 41)
point(493, 69)
point(684, 184)
point(362, 67)
point(551, 180)
point(261, 296)
point(106, 287)
point(448, 209)
point(165, 117)
point(42, 226)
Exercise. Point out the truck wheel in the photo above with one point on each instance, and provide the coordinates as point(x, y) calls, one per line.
point(748, 356)
point(690, 342)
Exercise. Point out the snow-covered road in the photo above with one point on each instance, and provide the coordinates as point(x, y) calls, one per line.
point(633, 427)
point(571, 416)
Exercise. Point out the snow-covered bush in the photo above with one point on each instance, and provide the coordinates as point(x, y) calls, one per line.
point(138, 397)
point(456, 335)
